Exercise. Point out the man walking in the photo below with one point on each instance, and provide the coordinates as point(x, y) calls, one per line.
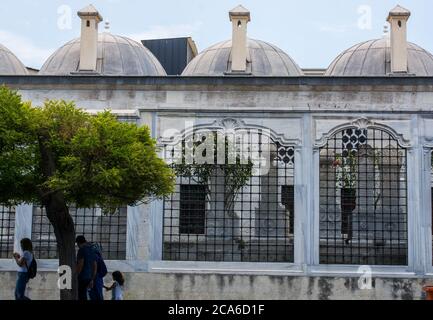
point(86, 267)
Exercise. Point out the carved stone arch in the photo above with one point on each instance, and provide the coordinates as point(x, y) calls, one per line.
point(363, 123)
point(230, 124)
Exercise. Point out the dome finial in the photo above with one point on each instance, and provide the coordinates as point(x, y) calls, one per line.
point(90, 19)
point(107, 26)
point(397, 19)
point(239, 16)
point(240, 11)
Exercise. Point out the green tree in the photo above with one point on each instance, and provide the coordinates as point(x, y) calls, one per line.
point(236, 174)
point(58, 155)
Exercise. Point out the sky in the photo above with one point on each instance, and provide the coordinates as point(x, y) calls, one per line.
point(312, 32)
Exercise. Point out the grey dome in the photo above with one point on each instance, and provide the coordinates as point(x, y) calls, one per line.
point(9, 63)
point(264, 59)
point(373, 58)
point(117, 56)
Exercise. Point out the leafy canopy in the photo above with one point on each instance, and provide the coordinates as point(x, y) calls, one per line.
point(97, 160)
point(236, 173)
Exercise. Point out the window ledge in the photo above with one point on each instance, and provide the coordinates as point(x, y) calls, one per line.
point(241, 268)
point(234, 268)
point(357, 271)
point(51, 265)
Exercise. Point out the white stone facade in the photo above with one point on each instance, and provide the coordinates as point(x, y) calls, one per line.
point(303, 112)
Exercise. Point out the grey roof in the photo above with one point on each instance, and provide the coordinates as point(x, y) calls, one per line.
point(10, 64)
point(373, 58)
point(174, 54)
point(117, 56)
point(264, 59)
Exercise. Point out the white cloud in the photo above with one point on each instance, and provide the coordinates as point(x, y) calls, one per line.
point(168, 31)
point(29, 53)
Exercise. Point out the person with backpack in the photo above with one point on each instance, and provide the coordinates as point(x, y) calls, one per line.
point(96, 293)
point(86, 267)
point(27, 268)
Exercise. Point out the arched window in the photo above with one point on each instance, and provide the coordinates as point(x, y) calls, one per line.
point(237, 206)
point(363, 199)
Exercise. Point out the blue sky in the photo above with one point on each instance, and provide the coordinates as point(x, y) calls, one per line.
point(313, 32)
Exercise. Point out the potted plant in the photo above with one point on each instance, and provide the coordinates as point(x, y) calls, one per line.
point(429, 292)
point(346, 176)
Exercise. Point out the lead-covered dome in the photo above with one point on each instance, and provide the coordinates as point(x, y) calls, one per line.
point(263, 59)
point(117, 56)
point(10, 64)
point(373, 58)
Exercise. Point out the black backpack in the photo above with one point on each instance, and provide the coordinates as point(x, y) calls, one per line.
point(102, 268)
point(32, 270)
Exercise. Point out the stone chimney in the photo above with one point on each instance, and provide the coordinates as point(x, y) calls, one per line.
point(90, 19)
point(398, 18)
point(239, 17)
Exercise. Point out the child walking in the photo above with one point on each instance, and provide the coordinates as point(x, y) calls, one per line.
point(117, 287)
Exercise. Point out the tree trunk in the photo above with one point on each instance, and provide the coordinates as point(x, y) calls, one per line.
point(58, 214)
point(64, 229)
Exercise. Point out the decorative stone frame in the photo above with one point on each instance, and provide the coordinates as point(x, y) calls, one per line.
point(425, 207)
point(222, 124)
point(320, 142)
point(415, 255)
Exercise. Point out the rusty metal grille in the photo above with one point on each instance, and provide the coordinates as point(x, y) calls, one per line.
point(363, 199)
point(107, 230)
point(7, 232)
point(209, 220)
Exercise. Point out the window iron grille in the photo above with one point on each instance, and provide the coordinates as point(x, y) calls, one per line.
point(211, 220)
point(108, 230)
point(363, 199)
point(7, 232)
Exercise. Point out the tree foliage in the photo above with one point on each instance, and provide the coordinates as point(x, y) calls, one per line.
point(58, 155)
point(236, 173)
point(98, 161)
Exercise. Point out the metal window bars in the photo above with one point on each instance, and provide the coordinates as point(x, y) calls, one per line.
point(212, 216)
point(7, 232)
point(363, 199)
point(109, 230)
